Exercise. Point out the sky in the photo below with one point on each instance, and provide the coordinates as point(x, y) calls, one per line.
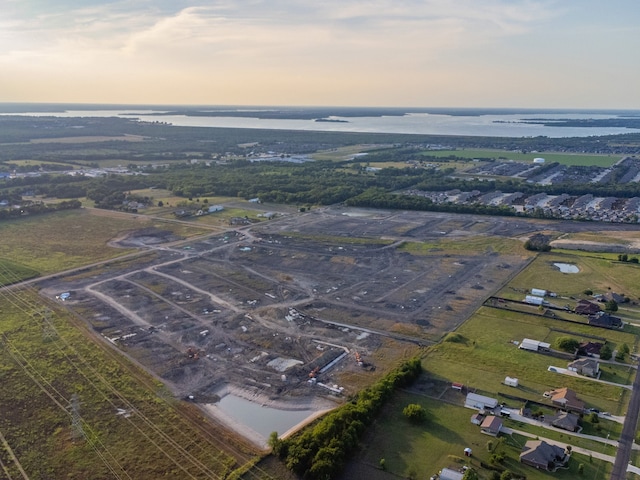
point(420, 53)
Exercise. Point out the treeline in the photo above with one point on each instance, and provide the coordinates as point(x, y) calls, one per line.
point(379, 198)
point(322, 449)
point(38, 208)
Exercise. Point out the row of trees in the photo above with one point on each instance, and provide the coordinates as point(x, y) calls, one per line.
point(320, 451)
point(38, 208)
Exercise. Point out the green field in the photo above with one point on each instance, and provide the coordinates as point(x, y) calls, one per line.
point(11, 272)
point(63, 240)
point(483, 351)
point(40, 375)
point(419, 451)
point(563, 158)
point(598, 272)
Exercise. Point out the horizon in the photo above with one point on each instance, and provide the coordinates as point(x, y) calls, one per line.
point(571, 54)
point(262, 107)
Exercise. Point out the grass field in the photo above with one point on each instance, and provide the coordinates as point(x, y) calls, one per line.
point(40, 375)
point(480, 244)
point(419, 451)
point(563, 158)
point(11, 272)
point(598, 272)
point(63, 240)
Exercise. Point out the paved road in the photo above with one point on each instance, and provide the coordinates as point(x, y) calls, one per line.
point(625, 443)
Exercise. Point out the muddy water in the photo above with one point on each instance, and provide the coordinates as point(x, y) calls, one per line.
point(262, 420)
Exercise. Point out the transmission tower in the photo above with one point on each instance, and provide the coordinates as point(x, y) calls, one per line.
point(77, 432)
point(48, 331)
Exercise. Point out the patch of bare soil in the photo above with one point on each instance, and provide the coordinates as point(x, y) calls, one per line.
point(144, 237)
point(590, 246)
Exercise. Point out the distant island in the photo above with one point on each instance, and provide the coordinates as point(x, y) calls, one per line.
point(331, 120)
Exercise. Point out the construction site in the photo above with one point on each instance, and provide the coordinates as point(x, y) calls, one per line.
point(294, 314)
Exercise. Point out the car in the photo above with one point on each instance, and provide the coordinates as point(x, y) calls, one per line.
point(594, 410)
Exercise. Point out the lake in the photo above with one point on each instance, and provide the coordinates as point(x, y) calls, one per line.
point(499, 124)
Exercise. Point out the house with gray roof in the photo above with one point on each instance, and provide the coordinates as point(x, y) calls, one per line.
point(542, 455)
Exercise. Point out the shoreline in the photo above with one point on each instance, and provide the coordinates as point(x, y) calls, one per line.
point(320, 406)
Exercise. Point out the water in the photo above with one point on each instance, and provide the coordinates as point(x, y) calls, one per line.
point(262, 420)
point(487, 124)
point(567, 267)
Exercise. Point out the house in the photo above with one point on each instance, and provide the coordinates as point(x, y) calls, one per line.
point(480, 402)
point(613, 296)
point(541, 455)
point(534, 345)
point(567, 399)
point(604, 320)
point(585, 307)
point(590, 349)
point(491, 425)
point(566, 421)
point(585, 366)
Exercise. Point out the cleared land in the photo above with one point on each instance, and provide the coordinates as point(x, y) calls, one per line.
point(256, 309)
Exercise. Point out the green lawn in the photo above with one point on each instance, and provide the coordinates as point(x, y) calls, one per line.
point(423, 450)
point(488, 354)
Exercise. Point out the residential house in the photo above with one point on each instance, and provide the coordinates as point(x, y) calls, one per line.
point(566, 421)
point(614, 296)
point(567, 399)
point(590, 349)
point(491, 425)
point(585, 307)
point(588, 367)
point(541, 455)
point(604, 320)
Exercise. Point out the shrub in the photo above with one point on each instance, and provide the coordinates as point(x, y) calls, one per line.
point(415, 413)
point(567, 344)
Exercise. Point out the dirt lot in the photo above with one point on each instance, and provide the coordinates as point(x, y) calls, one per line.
point(265, 308)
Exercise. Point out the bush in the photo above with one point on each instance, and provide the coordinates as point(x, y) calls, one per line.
point(454, 338)
point(567, 344)
point(415, 413)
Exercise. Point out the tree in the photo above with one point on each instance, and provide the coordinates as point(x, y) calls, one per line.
point(611, 306)
point(581, 468)
point(567, 344)
point(160, 203)
point(606, 352)
point(470, 474)
point(506, 475)
point(593, 418)
point(415, 413)
point(383, 464)
point(275, 443)
point(624, 348)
